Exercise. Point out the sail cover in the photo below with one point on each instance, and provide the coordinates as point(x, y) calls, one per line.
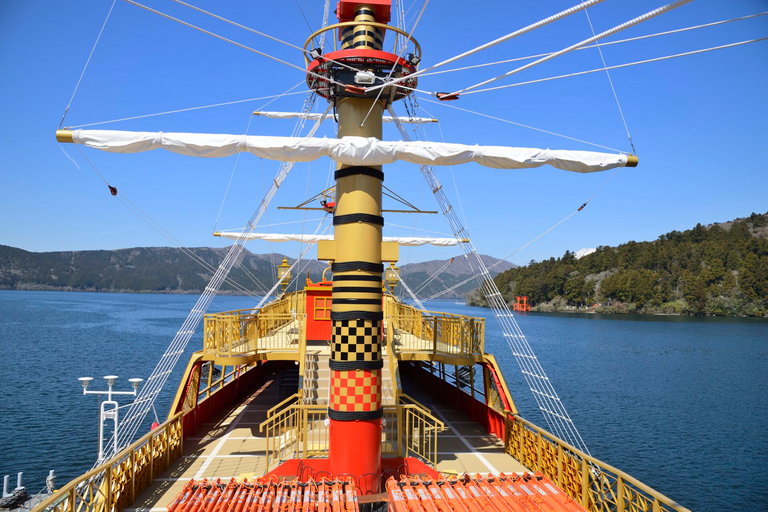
point(314, 116)
point(313, 239)
point(347, 150)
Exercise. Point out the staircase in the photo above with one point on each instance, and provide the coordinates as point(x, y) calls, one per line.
point(317, 378)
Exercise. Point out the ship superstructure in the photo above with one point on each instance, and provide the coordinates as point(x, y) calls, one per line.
point(340, 396)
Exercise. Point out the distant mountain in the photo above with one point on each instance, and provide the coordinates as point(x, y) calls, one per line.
point(169, 270)
point(440, 275)
point(140, 269)
point(720, 269)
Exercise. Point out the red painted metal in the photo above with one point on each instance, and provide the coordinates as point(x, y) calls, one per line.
point(360, 57)
point(345, 9)
point(348, 440)
point(318, 307)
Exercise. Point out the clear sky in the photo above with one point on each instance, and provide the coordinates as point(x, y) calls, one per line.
point(699, 123)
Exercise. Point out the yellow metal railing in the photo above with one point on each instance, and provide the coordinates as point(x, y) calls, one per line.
point(277, 327)
point(435, 333)
point(115, 484)
point(597, 486)
point(295, 430)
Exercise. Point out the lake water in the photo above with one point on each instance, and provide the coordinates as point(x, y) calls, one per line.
point(679, 403)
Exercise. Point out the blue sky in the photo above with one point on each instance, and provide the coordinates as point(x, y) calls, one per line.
point(698, 124)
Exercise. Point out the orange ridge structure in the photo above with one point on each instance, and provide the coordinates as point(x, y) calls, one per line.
point(517, 493)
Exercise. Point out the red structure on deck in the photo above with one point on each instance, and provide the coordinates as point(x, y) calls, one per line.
point(318, 310)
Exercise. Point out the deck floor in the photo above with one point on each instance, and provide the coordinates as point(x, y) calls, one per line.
point(232, 446)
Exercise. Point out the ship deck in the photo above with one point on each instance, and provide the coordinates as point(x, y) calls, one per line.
point(232, 446)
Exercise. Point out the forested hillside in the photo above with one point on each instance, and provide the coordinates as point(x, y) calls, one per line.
point(143, 269)
point(169, 270)
point(720, 269)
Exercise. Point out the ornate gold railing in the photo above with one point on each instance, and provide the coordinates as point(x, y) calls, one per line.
point(276, 327)
point(115, 484)
point(295, 430)
point(432, 333)
point(597, 486)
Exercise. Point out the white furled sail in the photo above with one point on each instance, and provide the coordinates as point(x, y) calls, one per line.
point(347, 150)
point(316, 115)
point(412, 241)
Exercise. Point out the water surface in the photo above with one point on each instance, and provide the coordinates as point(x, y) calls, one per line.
point(679, 403)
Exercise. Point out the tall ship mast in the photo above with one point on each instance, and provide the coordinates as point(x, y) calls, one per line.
point(339, 396)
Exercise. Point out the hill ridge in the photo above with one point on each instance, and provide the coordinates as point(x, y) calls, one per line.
point(719, 270)
point(169, 270)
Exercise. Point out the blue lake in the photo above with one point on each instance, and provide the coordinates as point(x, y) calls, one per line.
point(679, 403)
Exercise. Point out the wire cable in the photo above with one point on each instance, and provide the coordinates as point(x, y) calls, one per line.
point(613, 89)
point(541, 235)
point(635, 21)
point(389, 75)
point(177, 111)
point(88, 61)
point(619, 66)
point(254, 31)
point(444, 104)
point(158, 228)
point(502, 39)
point(227, 40)
point(588, 47)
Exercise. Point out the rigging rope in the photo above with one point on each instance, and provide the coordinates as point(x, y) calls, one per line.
point(277, 283)
point(444, 104)
point(254, 31)
point(66, 110)
point(433, 277)
point(546, 397)
point(326, 8)
point(154, 384)
point(500, 40)
point(399, 55)
point(416, 300)
point(574, 212)
point(177, 111)
point(157, 227)
point(227, 40)
point(232, 175)
point(619, 66)
point(613, 89)
point(640, 19)
point(604, 44)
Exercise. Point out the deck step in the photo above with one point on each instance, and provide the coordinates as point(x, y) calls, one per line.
point(317, 377)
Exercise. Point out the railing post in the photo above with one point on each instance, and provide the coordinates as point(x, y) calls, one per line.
point(584, 483)
point(520, 428)
point(108, 483)
point(472, 379)
point(619, 494)
point(559, 482)
point(133, 475)
point(434, 335)
point(210, 377)
point(539, 437)
point(151, 442)
point(72, 499)
point(305, 433)
point(167, 447)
